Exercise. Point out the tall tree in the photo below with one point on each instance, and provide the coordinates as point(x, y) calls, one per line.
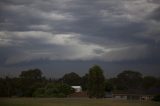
point(96, 82)
point(84, 82)
point(31, 74)
point(109, 85)
point(71, 79)
point(149, 82)
point(129, 80)
point(29, 81)
point(4, 87)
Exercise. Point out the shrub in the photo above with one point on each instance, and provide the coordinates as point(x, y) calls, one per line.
point(39, 92)
point(156, 98)
point(53, 90)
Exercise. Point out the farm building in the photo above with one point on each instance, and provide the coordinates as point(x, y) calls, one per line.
point(77, 88)
point(78, 92)
point(130, 95)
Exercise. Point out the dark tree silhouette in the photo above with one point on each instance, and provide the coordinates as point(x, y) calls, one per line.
point(96, 82)
point(129, 80)
point(71, 79)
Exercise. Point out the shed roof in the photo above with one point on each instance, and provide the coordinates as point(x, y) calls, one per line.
point(76, 86)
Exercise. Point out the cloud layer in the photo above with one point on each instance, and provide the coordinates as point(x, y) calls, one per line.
point(81, 30)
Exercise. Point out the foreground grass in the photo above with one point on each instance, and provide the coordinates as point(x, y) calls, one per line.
point(71, 102)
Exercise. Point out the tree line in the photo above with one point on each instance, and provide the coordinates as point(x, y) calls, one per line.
point(32, 83)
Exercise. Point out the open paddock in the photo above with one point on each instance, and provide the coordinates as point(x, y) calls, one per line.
point(72, 102)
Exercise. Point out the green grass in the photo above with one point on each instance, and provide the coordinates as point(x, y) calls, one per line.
point(72, 102)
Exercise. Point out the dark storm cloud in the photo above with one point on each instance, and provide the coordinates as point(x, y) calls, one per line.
point(74, 30)
point(156, 14)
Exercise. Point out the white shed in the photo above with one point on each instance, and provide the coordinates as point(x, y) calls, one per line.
point(77, 88)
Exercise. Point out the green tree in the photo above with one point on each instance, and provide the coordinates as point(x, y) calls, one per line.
point(158, 82)
point(3, 88)
point(39, 92)
point(149, 82)
point(129, 80)
point(29, 81)
point(109, 85)
point(9, 86)
point(31, 74)
point(84, 82)
point(53, 90)
point(71, 79)
point(96, 82)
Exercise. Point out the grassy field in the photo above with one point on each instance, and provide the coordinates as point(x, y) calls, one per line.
point(71, 102)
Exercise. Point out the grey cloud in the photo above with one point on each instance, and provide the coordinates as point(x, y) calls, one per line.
point(156, 14)
point(69, 35)
point(154, 1)
point(106, 24)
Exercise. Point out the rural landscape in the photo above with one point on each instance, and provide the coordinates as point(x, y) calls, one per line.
point(129, 88)
point(79, 52)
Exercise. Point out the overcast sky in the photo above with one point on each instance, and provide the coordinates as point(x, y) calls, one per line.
point(61, 36)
